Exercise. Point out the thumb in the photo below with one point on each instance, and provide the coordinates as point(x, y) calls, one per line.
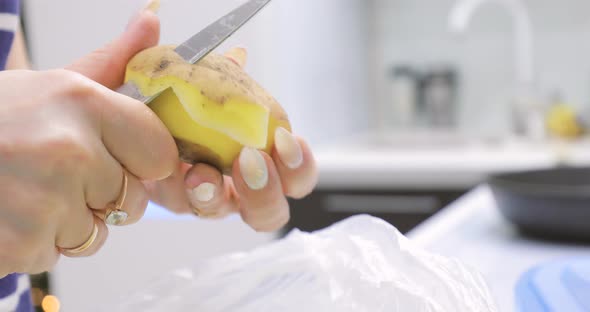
point(107, 65)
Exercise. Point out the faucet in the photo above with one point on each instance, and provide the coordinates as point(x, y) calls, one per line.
point(528, 117)
point(463, 11)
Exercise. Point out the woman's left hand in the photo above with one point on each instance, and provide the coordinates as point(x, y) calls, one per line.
point(260, 183)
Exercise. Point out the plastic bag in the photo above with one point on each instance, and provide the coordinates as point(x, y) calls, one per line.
point(359, 264)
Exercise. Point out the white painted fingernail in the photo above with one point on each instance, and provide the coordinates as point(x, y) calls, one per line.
point(152, 5)
point(253, 168)
point(288, 148)
point(202, 193)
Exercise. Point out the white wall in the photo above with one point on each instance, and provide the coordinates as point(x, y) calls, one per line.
point(308, 53)
point(415, 31)
point(325, 69)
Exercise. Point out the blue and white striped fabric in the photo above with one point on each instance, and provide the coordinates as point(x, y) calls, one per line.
point(15, 295)
point(8, 24)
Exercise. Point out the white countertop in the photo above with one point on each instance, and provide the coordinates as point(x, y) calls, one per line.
point(446, 164)
point(133, 255)
point(473, 231)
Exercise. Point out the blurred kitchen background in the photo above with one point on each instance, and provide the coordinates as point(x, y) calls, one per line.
point(409, 105)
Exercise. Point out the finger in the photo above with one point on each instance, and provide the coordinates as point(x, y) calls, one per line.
point(137, 138)
point(237, 55)
point(106, 186)
point(107, 65)
point(262, 203)
point(170, 192)
point(295, 164)
point(129, 205)
point(74, 237)
point(209, 193)
point(104, 180)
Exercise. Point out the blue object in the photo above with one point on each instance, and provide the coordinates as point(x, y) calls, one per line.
point(562, 285)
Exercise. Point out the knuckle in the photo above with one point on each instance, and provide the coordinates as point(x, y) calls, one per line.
point(68, 150)
point(75, 87)
point(39, 217)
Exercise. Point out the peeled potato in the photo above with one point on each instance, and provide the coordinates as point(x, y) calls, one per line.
point(212, 108)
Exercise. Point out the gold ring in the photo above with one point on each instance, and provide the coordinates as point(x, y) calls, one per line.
point(85, 245)
point(115, 215)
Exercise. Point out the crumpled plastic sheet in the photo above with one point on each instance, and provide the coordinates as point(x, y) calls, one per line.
point(359, 264)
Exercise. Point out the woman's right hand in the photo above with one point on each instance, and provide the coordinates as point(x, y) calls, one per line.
point(65, 142)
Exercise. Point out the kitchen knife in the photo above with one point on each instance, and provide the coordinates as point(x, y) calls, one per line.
point(201, 44)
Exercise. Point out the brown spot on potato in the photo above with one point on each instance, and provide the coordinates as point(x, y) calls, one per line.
point(164, 63)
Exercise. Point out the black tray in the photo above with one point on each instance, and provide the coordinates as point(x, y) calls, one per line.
point(551, 204)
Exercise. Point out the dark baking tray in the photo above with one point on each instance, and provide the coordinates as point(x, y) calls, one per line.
point(549, 203)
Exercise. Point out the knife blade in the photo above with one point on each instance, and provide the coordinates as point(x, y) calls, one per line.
point(205, 41)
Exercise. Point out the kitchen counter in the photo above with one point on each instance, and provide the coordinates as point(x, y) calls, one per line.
point(431, 161)
point(473, 231)
point(134, 255)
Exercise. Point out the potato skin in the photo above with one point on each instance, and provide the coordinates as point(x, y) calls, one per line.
point(218, 78)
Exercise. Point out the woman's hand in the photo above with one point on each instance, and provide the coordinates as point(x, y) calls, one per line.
point(259, 184)
point(257, 188)
point(65, 142)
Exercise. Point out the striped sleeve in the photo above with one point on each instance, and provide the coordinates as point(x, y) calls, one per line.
point(15, 294)
point(9, 10)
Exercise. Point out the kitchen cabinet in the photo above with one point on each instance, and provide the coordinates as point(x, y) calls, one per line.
point(402, 208)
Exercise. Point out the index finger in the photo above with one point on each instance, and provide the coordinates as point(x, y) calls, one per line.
point(136, 137)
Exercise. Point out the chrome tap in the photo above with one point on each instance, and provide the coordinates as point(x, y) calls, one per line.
point(528, 115)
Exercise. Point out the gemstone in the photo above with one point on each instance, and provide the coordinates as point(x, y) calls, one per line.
point(116, 217)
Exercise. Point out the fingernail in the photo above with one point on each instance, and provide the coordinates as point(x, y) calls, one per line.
point(202, 193)
point(288, 148)
point(151, 6)
point(253, 168)
point(238, 55)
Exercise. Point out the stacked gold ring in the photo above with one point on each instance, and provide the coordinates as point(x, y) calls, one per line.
point(86, 244)
point(114, 216)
